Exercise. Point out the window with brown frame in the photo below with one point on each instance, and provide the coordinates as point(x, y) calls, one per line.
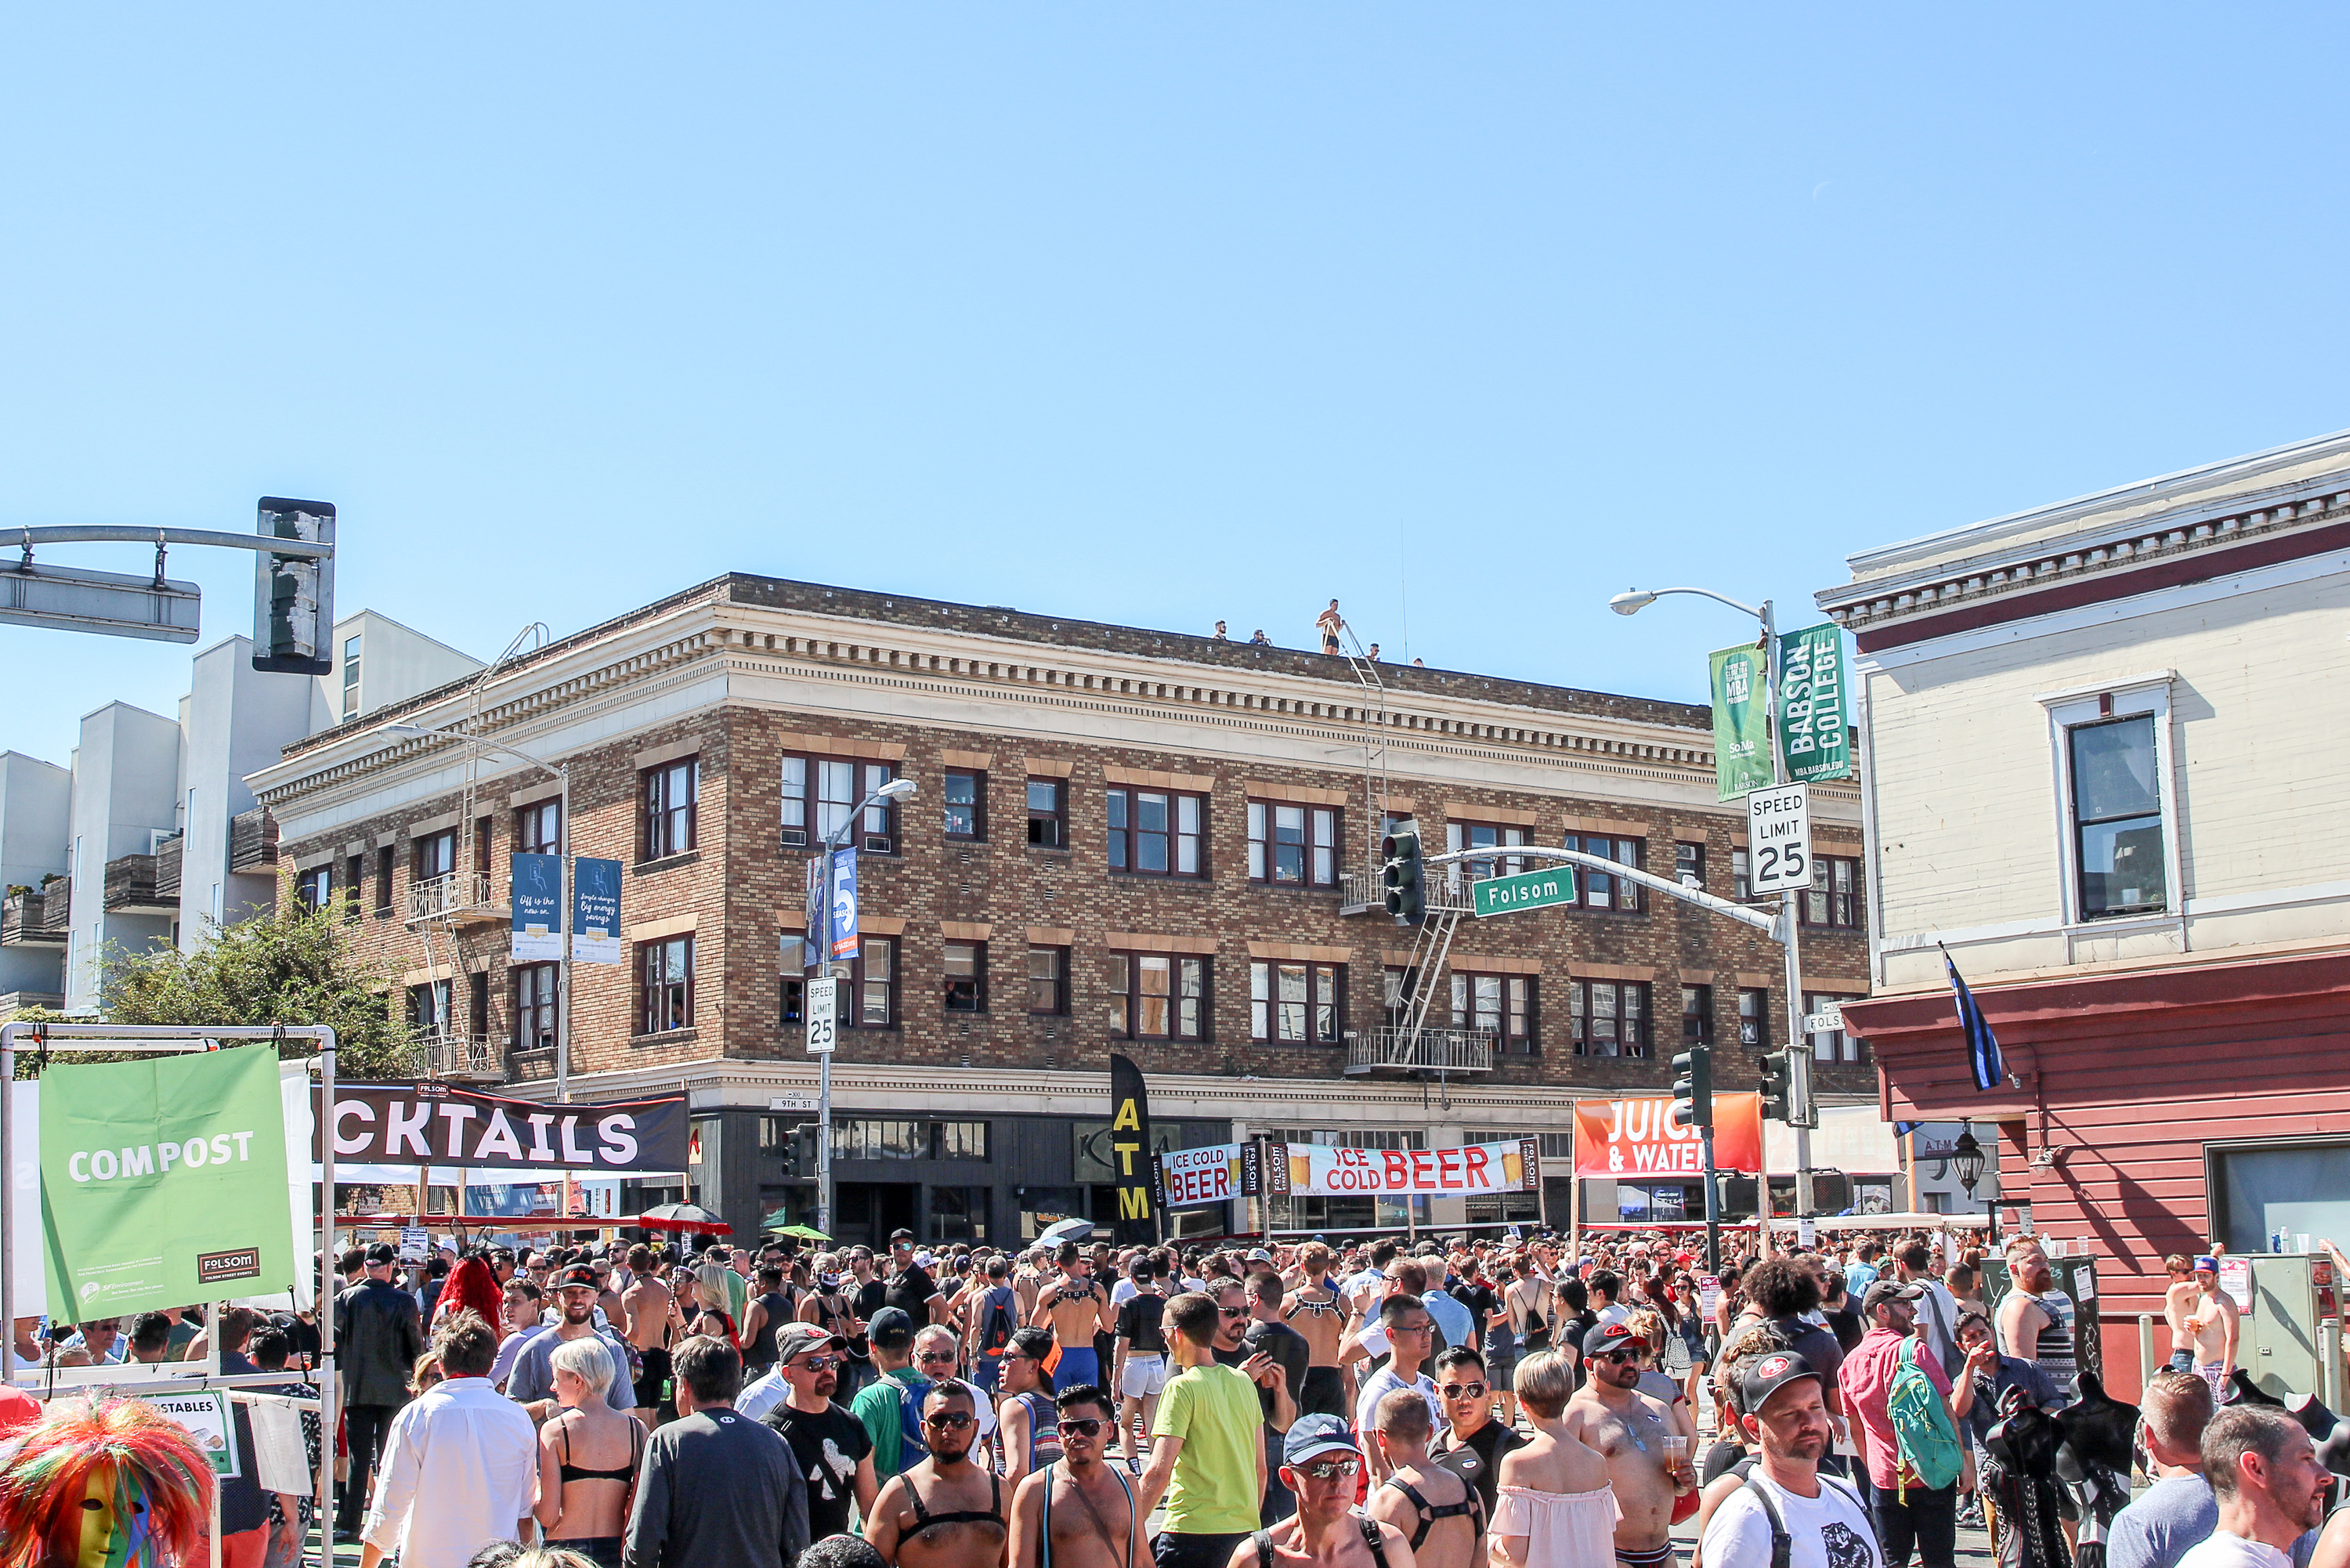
point(436, 855)
point(1697, 1015)
point(354, 883)
point(315, 887)
point(1156, 833)
point(1602, 890)
point(1156, 996)
point(1833, 901)
point(670, 793)
point(818, 794)
point(1297, 1003)
point(1609, 1017)
point(1833, 1045)
point(1293, 846)
point(1503, 1003)
point(538, 828)
point(966, 977)
point(1048, 813)
point(1755, 1018)
point(873, 983)
point(534, 1006)
point(383, 865)
point(1688, 863)
point(1048, 981)
point(1480, 836)
point(667, 967)
point(1740, 885)
point(965, 794)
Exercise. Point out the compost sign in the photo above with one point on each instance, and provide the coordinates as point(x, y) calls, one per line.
point(163, 1182)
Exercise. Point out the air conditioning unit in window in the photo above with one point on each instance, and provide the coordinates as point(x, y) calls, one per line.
point(877, 844)
point(793, 837)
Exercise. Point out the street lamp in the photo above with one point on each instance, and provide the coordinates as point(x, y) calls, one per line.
point(1968, 1156)
point(562, 773)
point(896, 790)
point(1632, 601)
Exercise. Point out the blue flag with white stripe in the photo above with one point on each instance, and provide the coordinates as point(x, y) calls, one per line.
point(1982, 1046)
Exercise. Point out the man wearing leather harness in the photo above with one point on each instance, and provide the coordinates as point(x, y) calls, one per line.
point(1441, 1514)
point(1096, 1524)
point(944, 1512)
point(1315, 1310)
point(1321, 1465)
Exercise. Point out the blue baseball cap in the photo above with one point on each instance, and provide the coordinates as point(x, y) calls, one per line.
point(1314, 1435)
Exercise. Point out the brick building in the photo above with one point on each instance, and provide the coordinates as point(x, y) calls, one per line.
point(1121, 839)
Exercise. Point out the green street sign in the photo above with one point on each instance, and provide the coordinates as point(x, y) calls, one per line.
point(1526, 891)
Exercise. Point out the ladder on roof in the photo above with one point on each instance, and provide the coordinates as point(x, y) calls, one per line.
point(1374, 714)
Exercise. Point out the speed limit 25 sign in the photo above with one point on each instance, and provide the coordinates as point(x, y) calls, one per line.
point(1779, 838)
point(823, 1016)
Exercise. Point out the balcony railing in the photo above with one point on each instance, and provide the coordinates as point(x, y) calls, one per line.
point(167, 869)
point(1390, 1049)
point(14, 1002)
point(451, 1055)
point(1361, 890)
point(131, 887)
point(37, 917)
point(252, 840)
point(461, 896)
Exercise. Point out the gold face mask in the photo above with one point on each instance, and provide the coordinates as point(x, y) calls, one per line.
point(113, 1520)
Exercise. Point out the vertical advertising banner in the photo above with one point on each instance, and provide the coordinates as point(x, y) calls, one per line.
point(1129, 1143)
point(844, 904)
point(1812, 733)
point(1741, 729)
point(163, 1182)
point(811, 943)
point(596, 910)
point(537, 908)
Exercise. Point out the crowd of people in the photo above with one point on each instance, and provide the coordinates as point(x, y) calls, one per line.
point(1382, 1403)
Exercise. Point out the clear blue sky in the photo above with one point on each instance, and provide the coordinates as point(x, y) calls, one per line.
point(1468, 315)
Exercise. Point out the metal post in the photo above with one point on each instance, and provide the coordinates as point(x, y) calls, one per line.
point(2329, 1359)
point(563, 977)
point(1712, 1209)
point(329, 1402)
point(2145, 1351)
point(824, 1061)
point(1793, 947)
point(8, 1204)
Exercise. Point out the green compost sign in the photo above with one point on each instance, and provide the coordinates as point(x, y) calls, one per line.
point(1742, 725)
point(1526, 891)
point(1812, 732)
point(163, 1183)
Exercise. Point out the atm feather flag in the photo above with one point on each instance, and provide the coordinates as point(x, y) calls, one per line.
point(1130, 1162)
point(163, 1182)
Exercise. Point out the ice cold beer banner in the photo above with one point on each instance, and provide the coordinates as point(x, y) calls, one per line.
point(1638, 1138)
point(1213, 1174)
point(1312, 1168)
point(417, 1123)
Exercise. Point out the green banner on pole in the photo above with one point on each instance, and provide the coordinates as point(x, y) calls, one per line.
point(163, 1183)
point(1811, 701)
point(1741, 729)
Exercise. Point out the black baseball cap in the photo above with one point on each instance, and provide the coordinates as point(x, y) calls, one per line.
point(892, 1328)
point(1604, 1338)
point(576, 1275)
point(383, 1252)
point(1767, 1374)
point(1885, 1290)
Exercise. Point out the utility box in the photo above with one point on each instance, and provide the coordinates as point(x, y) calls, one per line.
point(2277, 1337)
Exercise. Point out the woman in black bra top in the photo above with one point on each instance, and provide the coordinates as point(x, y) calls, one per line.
point(588, 1458)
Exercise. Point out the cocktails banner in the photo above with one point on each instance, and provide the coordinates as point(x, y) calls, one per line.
point(1515, 1165)
point(163, 1182)
point(417, 1123)
point(1638, 1138)
point(1211, 1175)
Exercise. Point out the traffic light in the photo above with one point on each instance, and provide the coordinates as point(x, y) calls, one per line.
point(1693, 1090)
point(798, 1153)
point(294, 596)
point(1775, 1074)
point(1401, 876)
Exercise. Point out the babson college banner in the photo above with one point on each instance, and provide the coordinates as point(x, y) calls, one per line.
point(1129, 1145)
point(163, 1182)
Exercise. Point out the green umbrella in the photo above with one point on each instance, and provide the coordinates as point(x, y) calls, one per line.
point(801, 1233)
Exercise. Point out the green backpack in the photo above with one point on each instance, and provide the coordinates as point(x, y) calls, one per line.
point(1923, 1433)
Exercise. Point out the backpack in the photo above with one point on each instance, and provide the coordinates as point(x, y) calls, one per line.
point(912, 1450)
point(1923, 1432)
point(995, 1322)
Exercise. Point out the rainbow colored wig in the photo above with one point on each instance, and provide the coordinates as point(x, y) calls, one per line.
point(122, 1466)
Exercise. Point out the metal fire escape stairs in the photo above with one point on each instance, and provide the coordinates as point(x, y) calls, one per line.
point(443, 909)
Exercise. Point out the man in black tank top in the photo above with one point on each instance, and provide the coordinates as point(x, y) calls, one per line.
point(769, 1311)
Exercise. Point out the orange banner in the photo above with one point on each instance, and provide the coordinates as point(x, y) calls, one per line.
point(1637, 1137)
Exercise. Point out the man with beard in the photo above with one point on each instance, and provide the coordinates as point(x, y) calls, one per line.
point(911, 1288)
point(1777, 1403)
point(531, 1383)
point(834, 1450)
point(1098, 1524)
point(944, 1512)
point(1321, 1466)
point(644, 1309)
point(2271, 1487)
point(2035, 1318)
point(1610, 1415)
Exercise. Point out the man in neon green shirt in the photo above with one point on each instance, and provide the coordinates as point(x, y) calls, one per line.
point(1206, 1457)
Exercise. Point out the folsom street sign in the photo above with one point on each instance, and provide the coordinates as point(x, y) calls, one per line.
point(1526, 891)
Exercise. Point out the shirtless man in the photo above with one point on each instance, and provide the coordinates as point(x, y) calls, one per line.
point(2178, 1299)
point(1320, 1465)
point(944, 1512)
point(2214, 1324)
point(2035, 1319)
point(1076, 1309)
point(1627, 1429)
point(646, 1305)
point(1438, 1512)
point(1316, 1311)
point(1091, 1521)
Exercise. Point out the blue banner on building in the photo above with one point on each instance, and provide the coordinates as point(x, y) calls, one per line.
point(812, 946)
point(596, 911)
point(844, 904)
point(537, 908)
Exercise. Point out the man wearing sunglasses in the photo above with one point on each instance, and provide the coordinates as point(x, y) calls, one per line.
point(834, 1449)
point(1411, 1333)
point(1627, 1429)
point(1322, 1466)
point(1473, 1446)
point(1078, 1511)
point(946, 1512)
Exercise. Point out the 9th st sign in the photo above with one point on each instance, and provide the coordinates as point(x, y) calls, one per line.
point(1526, 891)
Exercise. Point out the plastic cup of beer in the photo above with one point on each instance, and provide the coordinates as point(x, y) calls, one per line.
point(1677, 1448)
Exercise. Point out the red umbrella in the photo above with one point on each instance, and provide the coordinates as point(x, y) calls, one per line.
point(690, 1217)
